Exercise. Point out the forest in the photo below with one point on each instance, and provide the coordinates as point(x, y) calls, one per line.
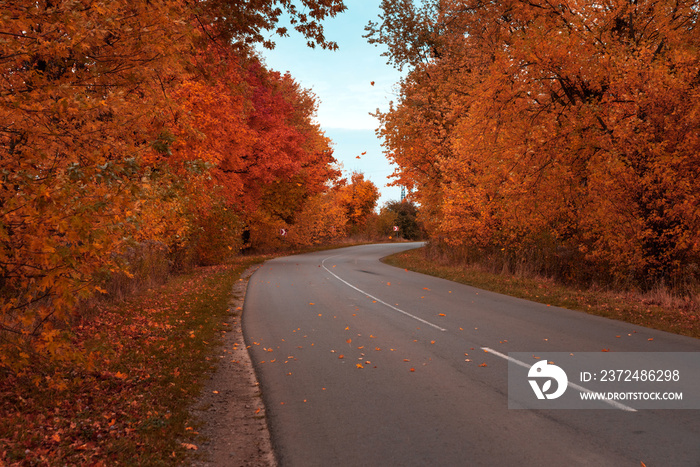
point(557, 138)
point(141, 138)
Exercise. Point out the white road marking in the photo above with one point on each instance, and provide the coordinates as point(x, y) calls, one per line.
point(377, 299)
point(615, 404)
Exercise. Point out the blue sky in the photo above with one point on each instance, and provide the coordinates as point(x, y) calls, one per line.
point(341, 80)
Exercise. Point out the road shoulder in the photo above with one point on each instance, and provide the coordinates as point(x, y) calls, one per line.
point(234, 429)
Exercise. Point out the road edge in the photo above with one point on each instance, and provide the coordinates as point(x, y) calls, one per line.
point(234, 428)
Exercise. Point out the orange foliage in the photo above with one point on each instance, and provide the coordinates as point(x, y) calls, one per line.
point(124, 124)
point(562, 135)
point(359, 198)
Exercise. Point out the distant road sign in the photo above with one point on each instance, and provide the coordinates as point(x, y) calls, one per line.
point(396, 228)
point(283, 232)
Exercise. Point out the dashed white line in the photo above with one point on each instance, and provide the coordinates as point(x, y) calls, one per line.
point(615, 404)
point(378, 299)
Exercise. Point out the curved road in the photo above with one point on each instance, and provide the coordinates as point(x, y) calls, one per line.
point(364, 364)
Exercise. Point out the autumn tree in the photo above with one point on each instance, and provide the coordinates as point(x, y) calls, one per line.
point(101, 152)
point(322, 221)
point(358, 198)
point(405, 217)
point(558, 134)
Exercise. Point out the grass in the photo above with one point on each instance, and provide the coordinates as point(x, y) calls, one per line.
point(127, 400)
point(124, 396)
point(657, 310)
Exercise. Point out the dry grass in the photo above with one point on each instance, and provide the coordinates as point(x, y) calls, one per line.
point(658, 309)
point(126, 401)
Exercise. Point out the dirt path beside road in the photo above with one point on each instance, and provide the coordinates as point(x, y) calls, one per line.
point(234, 431)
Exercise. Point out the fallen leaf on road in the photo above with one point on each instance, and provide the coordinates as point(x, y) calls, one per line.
point(483, 364)
point(189, 446)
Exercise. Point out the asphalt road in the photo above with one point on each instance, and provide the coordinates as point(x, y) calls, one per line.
point(364, 364)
